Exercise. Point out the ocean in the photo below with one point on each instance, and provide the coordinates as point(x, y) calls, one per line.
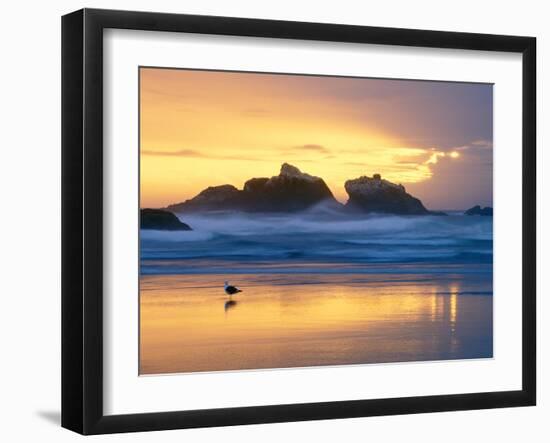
point(319, 288)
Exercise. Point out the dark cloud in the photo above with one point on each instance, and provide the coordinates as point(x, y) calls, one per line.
point(424, 113)
point(459, 183)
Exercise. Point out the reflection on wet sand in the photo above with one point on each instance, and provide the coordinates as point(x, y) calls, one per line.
point(229, 304)
point(284, 320)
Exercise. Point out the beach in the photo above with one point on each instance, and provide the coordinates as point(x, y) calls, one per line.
point(300, 320)
point(319, 288)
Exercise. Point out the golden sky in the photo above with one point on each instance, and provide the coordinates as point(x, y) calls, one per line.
point(206, 128)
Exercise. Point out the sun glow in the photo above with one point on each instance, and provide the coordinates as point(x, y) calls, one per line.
point(204, 128)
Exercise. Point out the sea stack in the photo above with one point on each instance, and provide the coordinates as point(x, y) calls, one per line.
point(478, 210)
point(377, 195)
point(213, 198)
point(161, 220)
point(290, 191)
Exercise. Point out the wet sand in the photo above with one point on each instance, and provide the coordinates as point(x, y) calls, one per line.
point(299, 320)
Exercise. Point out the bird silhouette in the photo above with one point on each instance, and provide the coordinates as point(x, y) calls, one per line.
point(230, 290)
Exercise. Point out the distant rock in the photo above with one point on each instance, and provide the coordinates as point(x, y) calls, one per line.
point(290, 191)
point(375, 194)
point(213, 198)
point(161, 220)
point(294, 191)
point(478, 210)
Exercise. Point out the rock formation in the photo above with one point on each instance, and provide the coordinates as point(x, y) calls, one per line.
point(213, 198)
point(478, 210)
point(294, 191)
point(290, 191)
point(377, 195)
point(161, 220)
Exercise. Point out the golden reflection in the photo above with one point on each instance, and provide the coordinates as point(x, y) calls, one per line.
point(452, 312)
point(184, 329)
point(433, 305)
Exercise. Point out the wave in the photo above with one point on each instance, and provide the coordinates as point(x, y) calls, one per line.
point(324, 237)
point(423, 226)
point(148, 235)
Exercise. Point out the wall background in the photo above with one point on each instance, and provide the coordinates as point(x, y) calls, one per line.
point(30, 218)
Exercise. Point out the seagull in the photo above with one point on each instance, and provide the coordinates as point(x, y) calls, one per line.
point(230, 290)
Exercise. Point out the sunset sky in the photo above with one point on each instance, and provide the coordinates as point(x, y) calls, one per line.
point(202, 128)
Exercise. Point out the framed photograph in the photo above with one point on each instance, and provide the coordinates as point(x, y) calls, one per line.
point(268, 221)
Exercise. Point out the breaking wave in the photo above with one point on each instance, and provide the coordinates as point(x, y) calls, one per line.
point(317, 237)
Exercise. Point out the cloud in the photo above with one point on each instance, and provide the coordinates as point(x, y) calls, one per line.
point(312, 147)
point(180, 153)
point(468, 170)
point(487, 144)
point(355, 163)
point(415, 159)
point(190, 153)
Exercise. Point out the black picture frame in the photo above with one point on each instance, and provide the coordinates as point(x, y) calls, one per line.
point(82, 220)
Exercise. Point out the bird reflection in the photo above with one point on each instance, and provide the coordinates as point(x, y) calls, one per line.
point(229, 304)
